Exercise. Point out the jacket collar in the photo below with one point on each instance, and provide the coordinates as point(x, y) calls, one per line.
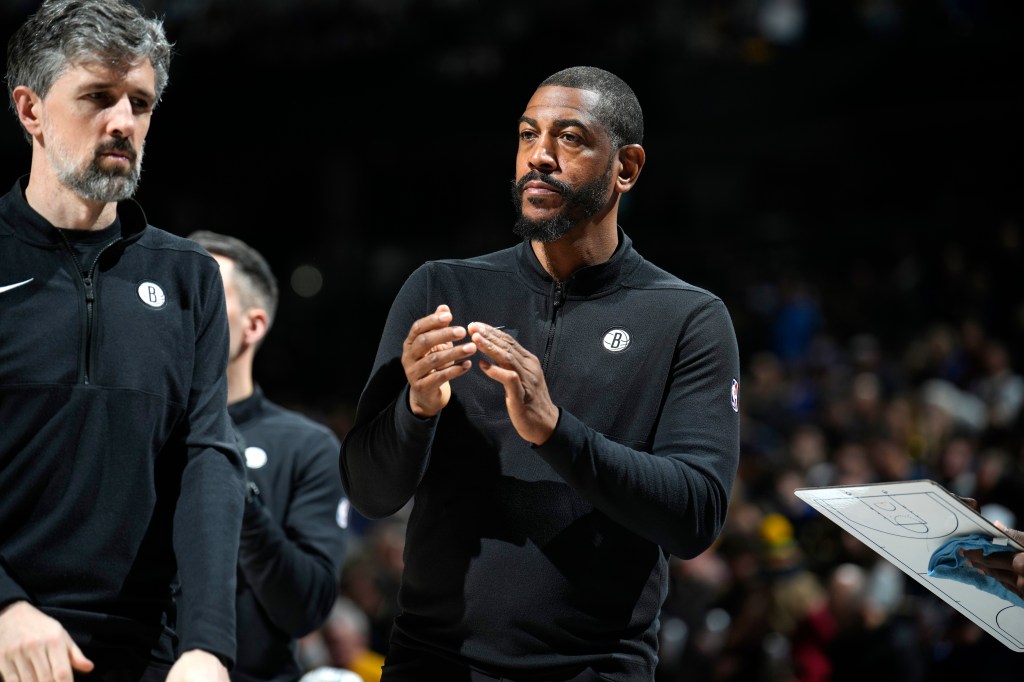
point(24, 221)
point(247, 408)
point(593, 280)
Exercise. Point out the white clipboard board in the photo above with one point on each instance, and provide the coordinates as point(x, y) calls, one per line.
point(905, 522)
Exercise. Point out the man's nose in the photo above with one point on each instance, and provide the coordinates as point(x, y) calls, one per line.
point(121, 120)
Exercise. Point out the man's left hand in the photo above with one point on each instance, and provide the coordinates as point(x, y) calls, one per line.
point(198, 666)
point(533, 414)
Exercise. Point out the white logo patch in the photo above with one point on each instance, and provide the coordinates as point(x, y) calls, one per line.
point(342, 516)
point(255, 457)
point(151, 294)
point(615, 340)
point(734, 396)
point(15, 286)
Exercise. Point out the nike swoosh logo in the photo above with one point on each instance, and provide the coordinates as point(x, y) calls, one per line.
point(15, 286)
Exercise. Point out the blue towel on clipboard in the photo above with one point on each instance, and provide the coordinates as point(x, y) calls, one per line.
point(946, 562)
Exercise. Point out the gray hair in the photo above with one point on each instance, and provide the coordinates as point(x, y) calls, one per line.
point(63, 33)
point(617, 109)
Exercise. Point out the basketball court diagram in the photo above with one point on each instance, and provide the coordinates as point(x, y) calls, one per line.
point(905, 522)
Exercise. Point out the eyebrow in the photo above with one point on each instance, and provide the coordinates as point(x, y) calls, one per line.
point(107, 85)
point(559, 122)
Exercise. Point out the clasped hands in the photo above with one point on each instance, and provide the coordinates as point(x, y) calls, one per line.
point(432, 358)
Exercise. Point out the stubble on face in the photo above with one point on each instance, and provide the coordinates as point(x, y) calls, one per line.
point(578, 204)
point(92, 180)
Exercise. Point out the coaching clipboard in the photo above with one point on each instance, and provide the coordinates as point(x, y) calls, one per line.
point(905, 522)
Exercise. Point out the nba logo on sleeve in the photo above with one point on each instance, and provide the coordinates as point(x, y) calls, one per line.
point(734, 396)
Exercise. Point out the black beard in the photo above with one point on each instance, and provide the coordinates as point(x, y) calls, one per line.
point(577, 205)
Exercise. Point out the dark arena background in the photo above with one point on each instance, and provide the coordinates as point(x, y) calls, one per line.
point(846, 175)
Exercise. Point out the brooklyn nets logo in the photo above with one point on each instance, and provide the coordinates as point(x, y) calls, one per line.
point(615, 340)
point(151, 294)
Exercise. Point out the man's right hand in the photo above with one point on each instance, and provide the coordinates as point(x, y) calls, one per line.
point(431, 360)
point(36, 648)
point(1006, 567)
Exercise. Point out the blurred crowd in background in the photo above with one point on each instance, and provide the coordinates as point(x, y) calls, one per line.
point(845, 175)
point(786, 594)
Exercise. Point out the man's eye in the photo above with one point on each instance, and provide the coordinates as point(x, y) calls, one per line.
point(570, 137)
point(527, 135)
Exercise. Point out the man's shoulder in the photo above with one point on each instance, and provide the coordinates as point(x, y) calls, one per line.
point(648, 276)
point(502, 260)
point(156, 238)
point(290, 422)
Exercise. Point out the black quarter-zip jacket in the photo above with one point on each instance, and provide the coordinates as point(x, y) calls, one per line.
point(293, 541)
point(524, 560)
point(120, 480)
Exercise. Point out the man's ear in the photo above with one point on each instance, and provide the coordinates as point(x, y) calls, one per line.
point(257, 322)
point(27, 105)
point(630, 162)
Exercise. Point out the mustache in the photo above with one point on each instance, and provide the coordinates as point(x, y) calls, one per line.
point(118, 144)
point(543, 177)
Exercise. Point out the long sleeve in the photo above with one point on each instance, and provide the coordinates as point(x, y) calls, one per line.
point(678, 497)
point(208, 515)
point(293, 569)
point(10, 590)
point(385, 454)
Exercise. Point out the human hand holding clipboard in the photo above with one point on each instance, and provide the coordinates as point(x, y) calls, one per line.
point(1006, 567)
point(928, 533)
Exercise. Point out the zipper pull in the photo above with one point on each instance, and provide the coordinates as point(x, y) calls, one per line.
point(559, 295)
point(90, 294)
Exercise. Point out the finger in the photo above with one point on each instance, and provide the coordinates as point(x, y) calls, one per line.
point(970, 502)
point(432, 341)
point(441, 317)
point(439, 359)
point(494, 334)
point(428, 339)
point(514, 388)
point(59, 664)
point(79, 661)
point(1002, 575)
point(24, 668)
point(501, 349)
point(1015, 535)
point(434, 380)
point(996, 561)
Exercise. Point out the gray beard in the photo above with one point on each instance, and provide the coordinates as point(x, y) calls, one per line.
point(98, 184)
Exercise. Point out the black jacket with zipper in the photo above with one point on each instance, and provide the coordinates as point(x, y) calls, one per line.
point(531, 561)
point(121, 486)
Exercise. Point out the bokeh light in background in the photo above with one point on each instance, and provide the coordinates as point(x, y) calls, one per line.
point(307, 281)
point(854, 151)
point(846, 174)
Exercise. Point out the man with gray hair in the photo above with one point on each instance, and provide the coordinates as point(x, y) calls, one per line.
point(122, 482)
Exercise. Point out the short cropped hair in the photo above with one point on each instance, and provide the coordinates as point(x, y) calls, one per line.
point(65, 33)
point(617, 109)
point(257, 286)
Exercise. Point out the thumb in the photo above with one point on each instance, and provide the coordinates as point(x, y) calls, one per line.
point(1016, 535)
point(970, 502)
point(78, 660)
